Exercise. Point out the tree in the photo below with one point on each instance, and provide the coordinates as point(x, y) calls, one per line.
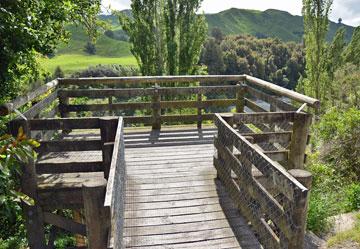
point(353, 49)
point(166, 35)
point(212, 57)
point(316, 23)
point(36, 26)
point(90, 48)
point(58, 73)
point(217, 34)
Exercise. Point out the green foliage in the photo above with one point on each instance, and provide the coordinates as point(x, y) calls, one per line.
point(166, 36)
point(316, 22)
point(38, 27)
point(107, 71)
point(269, 59)
point(353, 195)
point(58, 73)
point(340, 132)
point(353, 50)
point(13, 152)
point(318, 214)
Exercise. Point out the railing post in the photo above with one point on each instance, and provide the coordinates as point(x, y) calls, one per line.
point(107, 130)
point(63, 103)
point(110, 100)
point(34, 220)
point(240, 97)
point(199, 110)
point(156, 109)
point(228, 143)
point(97, 217)
point(299, 139)
point(299, 213)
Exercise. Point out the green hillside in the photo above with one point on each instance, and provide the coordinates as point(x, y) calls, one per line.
point(269, 23)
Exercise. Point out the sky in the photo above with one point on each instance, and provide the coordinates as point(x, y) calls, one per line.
point(348, 10)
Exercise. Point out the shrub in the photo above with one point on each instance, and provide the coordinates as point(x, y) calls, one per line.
point(90, 48)
point(107, 71)
point(58, 73)
point(353, 196)
point(340, 133)
point(318, 214)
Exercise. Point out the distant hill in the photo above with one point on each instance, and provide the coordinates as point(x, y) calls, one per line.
point(269, 23)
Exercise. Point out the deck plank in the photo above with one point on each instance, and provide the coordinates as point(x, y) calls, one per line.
point(173, 199)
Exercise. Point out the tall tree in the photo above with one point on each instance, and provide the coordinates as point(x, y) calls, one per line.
point(166, 35)
point(353, 50)
point(316, 24)
point(36, 26)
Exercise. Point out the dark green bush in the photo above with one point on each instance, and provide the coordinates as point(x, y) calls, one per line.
point(353, 196)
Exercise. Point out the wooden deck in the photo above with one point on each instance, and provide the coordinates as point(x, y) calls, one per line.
point(173, 199)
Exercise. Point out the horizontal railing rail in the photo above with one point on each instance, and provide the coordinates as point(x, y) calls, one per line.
point(277, 209)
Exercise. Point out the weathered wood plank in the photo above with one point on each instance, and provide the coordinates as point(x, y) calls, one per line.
point(6, 109)
point(40, 106)
point(283, 91)
point(65, 123)
point(263, 117)
point(70, 167)
point(150, 79)
point(65, 223)
point(62, 145)
point(269, 137)
point(270, 99)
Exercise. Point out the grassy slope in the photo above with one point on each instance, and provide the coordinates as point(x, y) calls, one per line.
point(71, 56)
point(272, 23)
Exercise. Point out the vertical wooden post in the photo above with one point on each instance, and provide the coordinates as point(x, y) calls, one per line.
point(156, 109)
point(199, 110)
point(110, 99)
point(228, 143)
point(299, 213)
point(97, 217)
point(63, 103)
point(107, 130)
point(240, 97)
point(34, 220)
point(299, 138)
point(273, 126)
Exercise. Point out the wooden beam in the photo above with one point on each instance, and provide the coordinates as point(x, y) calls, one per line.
point(253, 106)
point(40, 106)
point(263, 117)
point(64, 223)
point(270, 99)
point(65, 145)
point(150, 79)
point(108, 107)
point(7, 108)
point(65, 123)
point(71, 167)
point(269, 137)
point(283, 91)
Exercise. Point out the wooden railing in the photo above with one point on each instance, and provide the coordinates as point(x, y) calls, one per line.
point(270, 197)
point(47, 184)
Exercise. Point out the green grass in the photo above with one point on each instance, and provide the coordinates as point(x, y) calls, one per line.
point(70, 63)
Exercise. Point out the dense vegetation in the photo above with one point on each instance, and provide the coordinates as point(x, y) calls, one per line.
point(269, 59)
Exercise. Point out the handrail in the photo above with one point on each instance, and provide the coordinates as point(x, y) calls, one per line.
point(283, 91)
point(115, 189)
point(20, 101)
point(7, 108)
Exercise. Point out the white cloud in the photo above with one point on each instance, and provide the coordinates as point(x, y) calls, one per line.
point(348, 10)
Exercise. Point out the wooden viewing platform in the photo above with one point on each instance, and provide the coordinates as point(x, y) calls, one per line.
point(159, 180)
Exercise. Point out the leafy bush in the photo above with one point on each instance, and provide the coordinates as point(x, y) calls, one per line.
point(353, 196)
point(318, 214)
point(108, 71)
point(340, 133)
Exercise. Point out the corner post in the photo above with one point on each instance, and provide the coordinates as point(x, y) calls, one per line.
point(299, 213)
point(299, 140)
point(34, 219)
point(156, 125)
point(97, 217)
